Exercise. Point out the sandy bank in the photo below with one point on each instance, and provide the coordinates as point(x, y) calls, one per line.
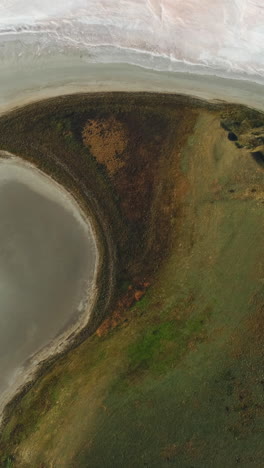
point(29, 81)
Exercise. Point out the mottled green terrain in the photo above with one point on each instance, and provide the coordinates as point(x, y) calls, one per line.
point(174, 374)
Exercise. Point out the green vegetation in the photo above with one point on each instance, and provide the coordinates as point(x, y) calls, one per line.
point(159, 347)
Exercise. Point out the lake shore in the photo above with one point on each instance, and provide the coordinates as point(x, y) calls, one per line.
point(51, 76)
point(28, 369)
point(78, 327)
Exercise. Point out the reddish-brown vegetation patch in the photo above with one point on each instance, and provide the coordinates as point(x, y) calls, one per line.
point(107, 140)
point(119, 315)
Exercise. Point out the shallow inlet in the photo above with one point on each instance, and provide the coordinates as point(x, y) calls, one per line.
point(48, 259)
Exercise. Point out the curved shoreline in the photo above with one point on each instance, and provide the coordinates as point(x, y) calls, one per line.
point(79, 329)
point(60, 75)
point(57, 344)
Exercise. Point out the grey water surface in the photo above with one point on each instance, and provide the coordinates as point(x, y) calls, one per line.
point(47, 262)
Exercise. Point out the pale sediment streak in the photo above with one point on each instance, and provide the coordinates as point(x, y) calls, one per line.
point(53, 48)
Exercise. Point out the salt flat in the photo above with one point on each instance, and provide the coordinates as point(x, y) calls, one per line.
point(214, 51)
point(221, 36)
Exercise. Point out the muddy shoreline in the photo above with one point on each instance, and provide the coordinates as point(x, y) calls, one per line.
point(101, 297)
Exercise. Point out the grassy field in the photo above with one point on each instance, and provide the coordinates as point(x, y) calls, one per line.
point(173, 375)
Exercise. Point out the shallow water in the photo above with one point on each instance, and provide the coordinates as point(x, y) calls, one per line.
point(47, 264)
point(222, 35)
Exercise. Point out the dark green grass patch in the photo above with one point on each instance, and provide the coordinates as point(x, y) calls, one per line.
point(160, 347)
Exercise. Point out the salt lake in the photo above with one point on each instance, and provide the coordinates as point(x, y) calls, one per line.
point(48, 263)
